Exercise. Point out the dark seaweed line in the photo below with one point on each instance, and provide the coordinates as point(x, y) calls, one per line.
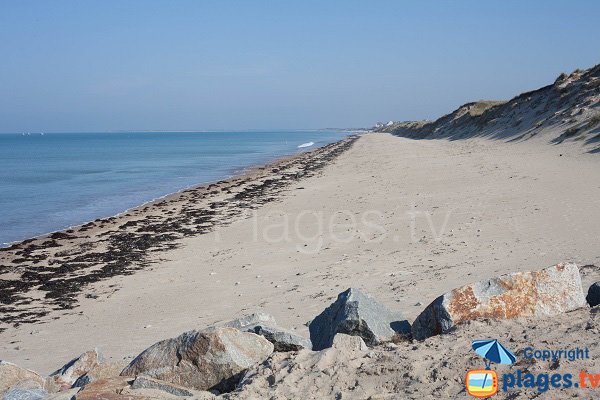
point(122, 252)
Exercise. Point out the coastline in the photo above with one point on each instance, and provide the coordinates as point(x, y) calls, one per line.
point(34, 258)
point(226, 174)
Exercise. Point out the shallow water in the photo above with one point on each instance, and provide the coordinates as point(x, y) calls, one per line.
point(52, 181)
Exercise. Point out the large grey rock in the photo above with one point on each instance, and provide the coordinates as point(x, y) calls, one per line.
point(265, 325)
point(548, 292)
point(13, 376)
point(593, 295)
point(356, 314)
point(214, 358)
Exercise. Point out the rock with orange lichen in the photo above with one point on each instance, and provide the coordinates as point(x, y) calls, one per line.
point(548, 292)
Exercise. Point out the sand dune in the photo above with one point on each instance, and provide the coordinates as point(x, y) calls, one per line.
point(567, 110)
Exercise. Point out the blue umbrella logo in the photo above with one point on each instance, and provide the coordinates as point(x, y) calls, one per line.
point(493, 352)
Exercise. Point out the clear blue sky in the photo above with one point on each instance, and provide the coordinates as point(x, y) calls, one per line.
point(184, 65)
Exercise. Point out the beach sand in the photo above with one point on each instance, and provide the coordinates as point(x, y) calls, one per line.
point(405, 220)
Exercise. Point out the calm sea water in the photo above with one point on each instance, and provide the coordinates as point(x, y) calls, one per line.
point(52, 181)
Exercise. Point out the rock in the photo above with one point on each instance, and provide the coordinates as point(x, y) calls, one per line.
point(344, 342)
point(214, 358)
point(77, 367)
point(103, 370)
point(52, 387)
point(356, 314)
point(25, 394)
point(144, 382)
point(257, 318)
point(282, 340)
point(593, 296)
point(548, 292)
point(83, 380)
point(264, 325)
point(107, 389)
point(13, 376)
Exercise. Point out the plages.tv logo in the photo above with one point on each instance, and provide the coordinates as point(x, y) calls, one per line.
point(483, 383)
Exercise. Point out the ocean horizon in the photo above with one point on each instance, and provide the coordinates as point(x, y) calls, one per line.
point(53, 181)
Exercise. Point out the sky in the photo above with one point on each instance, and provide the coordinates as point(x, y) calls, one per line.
point(234, 65)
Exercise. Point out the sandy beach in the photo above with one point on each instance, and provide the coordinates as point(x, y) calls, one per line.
point(405, 220)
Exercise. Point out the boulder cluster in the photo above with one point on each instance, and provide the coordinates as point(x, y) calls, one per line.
point(207, 363)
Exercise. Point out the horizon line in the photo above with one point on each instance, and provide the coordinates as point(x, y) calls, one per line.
point(183, 130)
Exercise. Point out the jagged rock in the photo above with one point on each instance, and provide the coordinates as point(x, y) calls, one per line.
point(548, 292)
point(593, 295)
point(103, 370)
point(13, 376)
point(77, 367)
point(212, 358)
point(264, 325)
point(282, 340)
point(25, 394)
point(357, 314)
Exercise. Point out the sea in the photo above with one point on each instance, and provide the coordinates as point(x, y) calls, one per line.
point(51, 181)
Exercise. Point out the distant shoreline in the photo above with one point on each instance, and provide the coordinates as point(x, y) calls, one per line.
point(73, 223)
point(237, 173)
